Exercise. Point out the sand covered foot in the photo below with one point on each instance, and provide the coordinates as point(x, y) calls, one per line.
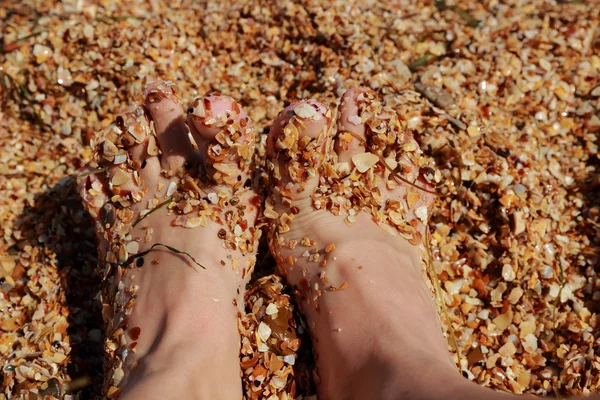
point(178, 244)
point(349, 194)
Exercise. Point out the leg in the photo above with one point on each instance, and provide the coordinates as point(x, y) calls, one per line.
point(346, 231)
point(172, 317)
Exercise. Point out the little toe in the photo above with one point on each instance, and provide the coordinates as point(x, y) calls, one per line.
point(383, 160)
point(170, 126)
point(351, 138)
point(371, 139)
point(136, 135)
point(225, 137)
point(92, 190)
point(124, 150)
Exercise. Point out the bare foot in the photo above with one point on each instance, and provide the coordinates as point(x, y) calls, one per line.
point(171, 312)
point(346, 232)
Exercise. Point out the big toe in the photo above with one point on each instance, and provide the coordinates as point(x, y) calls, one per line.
point(169, 125)
point(297, 146)
point(225, 137)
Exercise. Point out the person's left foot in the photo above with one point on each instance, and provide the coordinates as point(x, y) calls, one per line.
point(177, 240)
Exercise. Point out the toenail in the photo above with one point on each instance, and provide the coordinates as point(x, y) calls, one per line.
point(307, 111)
point(156, 92)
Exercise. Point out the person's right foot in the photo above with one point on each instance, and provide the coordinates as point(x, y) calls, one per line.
point(345, 232)
point(171, 325)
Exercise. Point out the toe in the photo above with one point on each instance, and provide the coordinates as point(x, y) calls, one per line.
point(124, 142)
point(144, 151)
point(126, 149)
point(384, 159)
point(91, 184)
point(225, 137)
point(300, 134)
point(92, 189)
point(369, 133)
point(169, 124)
point(297, 146)
point(310, 117)
point(351, 137)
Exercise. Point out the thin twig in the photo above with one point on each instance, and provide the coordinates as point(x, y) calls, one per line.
point(466, 16)
point(27, 96)
point(419, 62)
point(555, 306)
point(3, 84)
point(21, 95)
point(170, 248)
point(392, 171)
point(463, 14)
point(93, 172)
point(13, 45)
point(108, 19)
point(164, 203)
point(52, 170)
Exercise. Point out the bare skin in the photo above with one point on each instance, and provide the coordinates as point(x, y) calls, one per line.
point(185, 314)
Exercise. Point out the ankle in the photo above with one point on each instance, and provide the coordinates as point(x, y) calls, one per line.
point(384, 322)
point(186, 369)
point(388, 372)
point(411, 374)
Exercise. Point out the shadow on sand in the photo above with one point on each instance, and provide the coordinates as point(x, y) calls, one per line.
point(58, 219)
